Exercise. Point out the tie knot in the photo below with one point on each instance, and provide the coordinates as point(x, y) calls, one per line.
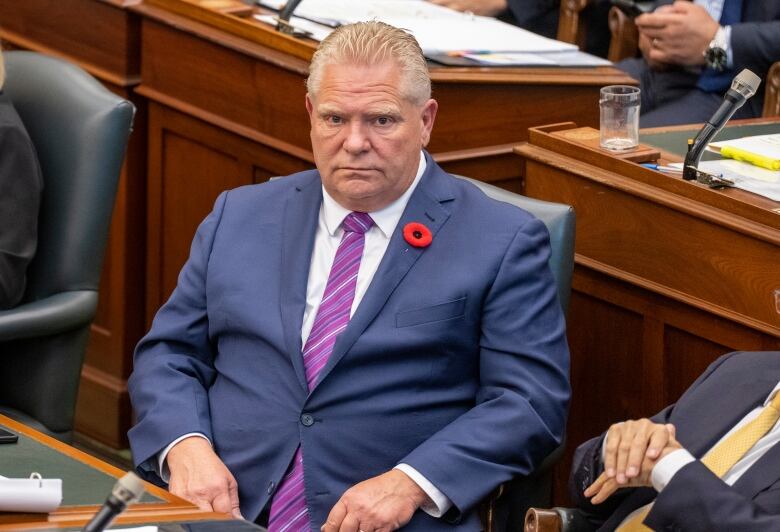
point(357, 222)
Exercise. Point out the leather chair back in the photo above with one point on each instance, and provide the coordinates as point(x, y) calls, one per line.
point(80, 131)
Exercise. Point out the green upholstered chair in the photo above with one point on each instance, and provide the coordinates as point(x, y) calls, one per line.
point(506, 510)
point(80, 132)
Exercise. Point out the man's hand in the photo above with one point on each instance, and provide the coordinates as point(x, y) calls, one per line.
point(198, 475)
point(379, 504)
point(487, 8)
point(677, 34)
point(632, 450)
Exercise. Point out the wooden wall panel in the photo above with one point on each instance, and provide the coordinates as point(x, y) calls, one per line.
point(190, 163)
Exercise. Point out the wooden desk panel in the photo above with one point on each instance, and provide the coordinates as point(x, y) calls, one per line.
point(669, 275)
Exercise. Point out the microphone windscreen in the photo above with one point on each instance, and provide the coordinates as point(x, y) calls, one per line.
point(746, 83)
point(129, 488)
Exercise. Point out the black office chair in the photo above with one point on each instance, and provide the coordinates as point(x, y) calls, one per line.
point(505, 511)
point(80, 132)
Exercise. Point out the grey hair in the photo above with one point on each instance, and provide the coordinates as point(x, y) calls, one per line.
point(373, 43)
point(2, 69)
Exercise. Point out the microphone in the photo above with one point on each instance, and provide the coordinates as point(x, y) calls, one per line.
point(744, 85)
point(127, 490)
point(283, 22)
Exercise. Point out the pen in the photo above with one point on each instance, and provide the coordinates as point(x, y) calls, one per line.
point(661, 168)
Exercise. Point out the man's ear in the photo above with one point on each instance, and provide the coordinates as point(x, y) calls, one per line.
point(309, 105)
point(428, 117)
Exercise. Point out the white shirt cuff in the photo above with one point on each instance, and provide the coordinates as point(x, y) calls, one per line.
point(729, 50)
point(440, 502)
point(668, 466)
point(162, 466)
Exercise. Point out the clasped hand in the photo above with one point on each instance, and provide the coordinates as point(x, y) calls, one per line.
point(632, 449)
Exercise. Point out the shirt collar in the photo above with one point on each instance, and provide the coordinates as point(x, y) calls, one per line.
point(385, 219)
point(772, 394)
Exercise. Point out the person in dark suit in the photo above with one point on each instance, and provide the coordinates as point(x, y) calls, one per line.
point(365, 346)
point(710, 462)
point(541, 17)
point(692, 50)
point(20, 192)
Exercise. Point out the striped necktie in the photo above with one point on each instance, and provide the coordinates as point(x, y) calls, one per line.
point(288, 508)
point(726, 454)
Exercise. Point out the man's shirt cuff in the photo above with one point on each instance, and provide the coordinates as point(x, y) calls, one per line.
point(668, 466)
point(440, 502)
point(729, 49)
point(162, 466)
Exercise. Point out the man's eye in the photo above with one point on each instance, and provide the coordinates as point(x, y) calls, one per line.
point(384, 121)
point(332, 119)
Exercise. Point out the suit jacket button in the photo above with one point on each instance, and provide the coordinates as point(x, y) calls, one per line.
point(271, 486)
point(307, 420)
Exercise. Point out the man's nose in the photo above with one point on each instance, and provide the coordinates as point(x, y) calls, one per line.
point(357, 140)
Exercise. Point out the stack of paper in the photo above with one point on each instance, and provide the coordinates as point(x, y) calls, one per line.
point(760, 150)
point(439, 30)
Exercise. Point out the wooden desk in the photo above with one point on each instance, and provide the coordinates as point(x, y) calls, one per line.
point(90, 481)
point(668, 276)
point(225, 102)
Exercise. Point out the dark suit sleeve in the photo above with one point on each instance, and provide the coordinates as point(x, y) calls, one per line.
point(538, 16)
point(20, 189)
point(523, 393)
point(755, 45)
point(174, 362)
point(696, 500)
point(587, 464)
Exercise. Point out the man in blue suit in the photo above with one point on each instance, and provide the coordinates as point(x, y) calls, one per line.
point(371, 345)
point(709, 463)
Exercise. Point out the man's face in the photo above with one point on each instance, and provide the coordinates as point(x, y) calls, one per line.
point(365, 135)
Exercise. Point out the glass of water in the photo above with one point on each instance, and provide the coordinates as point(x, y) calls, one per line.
point(619, 106)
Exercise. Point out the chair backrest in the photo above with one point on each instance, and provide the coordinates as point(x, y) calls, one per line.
point(80, 131)
point(559, 219)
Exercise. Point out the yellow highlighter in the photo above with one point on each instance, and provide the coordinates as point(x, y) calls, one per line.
point(753, 158)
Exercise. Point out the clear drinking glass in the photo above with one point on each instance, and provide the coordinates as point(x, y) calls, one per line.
point(619, 106)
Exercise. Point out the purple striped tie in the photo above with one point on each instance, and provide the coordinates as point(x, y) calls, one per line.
point(288, 508)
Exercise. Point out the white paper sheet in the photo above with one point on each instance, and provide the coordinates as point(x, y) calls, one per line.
point(764, 145)
point(30, 495)
point(437, 29)
point(745, 176)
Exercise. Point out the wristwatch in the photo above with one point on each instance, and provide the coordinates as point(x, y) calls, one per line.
point(716, 55)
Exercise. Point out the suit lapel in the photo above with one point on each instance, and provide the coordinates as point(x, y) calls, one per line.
point(425, 206)
point(299, 227)
point(724, 410)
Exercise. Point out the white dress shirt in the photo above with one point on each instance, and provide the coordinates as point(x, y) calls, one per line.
point(326, 242)
point(669, 465)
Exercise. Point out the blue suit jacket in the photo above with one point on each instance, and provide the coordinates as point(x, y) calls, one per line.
point(695, 499)
point(455, 361)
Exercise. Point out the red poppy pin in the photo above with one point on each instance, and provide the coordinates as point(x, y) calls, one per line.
point(417, 235)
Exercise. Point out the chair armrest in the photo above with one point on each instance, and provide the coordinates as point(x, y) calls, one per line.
point(556, 520)
point(772, 95)
point(625, 36)
point(52, 315)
